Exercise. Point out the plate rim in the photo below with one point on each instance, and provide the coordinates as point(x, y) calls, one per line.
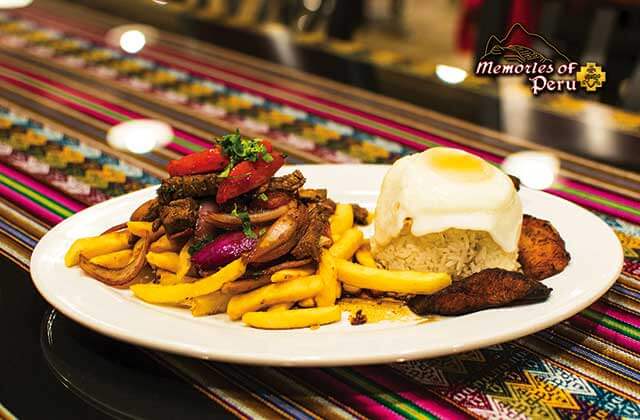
point(310, 361)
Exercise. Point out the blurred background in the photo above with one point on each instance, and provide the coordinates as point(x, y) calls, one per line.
point(420, 40)
point(419, 51)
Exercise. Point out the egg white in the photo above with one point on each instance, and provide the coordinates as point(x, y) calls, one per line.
point(443, 188)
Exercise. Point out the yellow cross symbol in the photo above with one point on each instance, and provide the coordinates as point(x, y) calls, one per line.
point(591, 77)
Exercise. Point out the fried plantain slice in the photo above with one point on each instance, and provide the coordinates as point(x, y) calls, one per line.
point(490, 288)
point(541, 250)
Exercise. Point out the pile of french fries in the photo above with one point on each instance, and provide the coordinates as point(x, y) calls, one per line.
point(290, 298)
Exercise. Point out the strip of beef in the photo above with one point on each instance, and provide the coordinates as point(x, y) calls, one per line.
point(290, 182)
point(269, 200)
point(267, 270)
point(360, 215)
point(311, 195)
point(245, 285)
point(178, 187)
point(541, 250)
point(179, 215)
point(309, 245)
point(490, 288)
point(286, 265)
point(329, 204)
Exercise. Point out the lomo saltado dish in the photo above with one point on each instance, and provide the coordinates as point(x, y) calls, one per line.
point(225, 235)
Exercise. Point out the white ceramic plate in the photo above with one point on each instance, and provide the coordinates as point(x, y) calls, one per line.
point(595, 264)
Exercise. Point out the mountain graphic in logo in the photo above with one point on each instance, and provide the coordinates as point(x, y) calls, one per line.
point(514, 52)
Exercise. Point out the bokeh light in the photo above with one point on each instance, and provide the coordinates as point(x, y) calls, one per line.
point(131, 38)
point(14, 4)
point(537, 170)
point(140, 136)
point(450, 74)
point(312, 5)
point(132, 41)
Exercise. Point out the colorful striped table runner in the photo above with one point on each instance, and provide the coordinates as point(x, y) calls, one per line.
point(54, 113)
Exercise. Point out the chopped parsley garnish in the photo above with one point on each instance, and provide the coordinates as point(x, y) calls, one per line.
point(246, 222)
point(198, 245)
point(239, 148)
point(262, 197)
point(225, 172)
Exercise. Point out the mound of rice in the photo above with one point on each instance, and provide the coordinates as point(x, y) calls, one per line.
point(455, 251)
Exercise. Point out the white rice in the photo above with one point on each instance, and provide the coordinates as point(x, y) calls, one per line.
point(455, 251)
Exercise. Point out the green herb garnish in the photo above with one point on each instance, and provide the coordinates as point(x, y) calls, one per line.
point(225, 172)
point(262, 197)
point(246, 222)
point(198, 245)
point(239, 148)
point(262, 231)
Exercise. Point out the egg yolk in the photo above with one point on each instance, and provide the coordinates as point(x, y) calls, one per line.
point(461, 164)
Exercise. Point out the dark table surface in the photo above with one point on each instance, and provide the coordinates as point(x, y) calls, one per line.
point(54, 368)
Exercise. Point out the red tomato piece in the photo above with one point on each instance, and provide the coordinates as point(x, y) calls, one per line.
point(246, 176)
point(206, 161)
point(267, 145)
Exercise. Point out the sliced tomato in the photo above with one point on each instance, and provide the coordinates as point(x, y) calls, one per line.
point(267, 145)
point(211, 160)
point(246, 176)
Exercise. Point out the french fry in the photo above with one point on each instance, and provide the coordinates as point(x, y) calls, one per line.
point(329, 275)
point(290, 274)
point(96, 245)
point(113, 260)
point(280, 307)
point(184, 261)
point(413, 282)
point(213, 303)
point(157, 293)
point(364, 256)
point(295, 318)
point(341, 220)
point(351, 290)
point(307, 303)
point(348, 244)
point(338, 289)
point(169, 261)
point(140, 229)
point(164, 244)
point(168, 278)
point(288, 291)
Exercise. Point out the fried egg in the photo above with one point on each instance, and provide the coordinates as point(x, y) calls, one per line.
point(443, 188)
